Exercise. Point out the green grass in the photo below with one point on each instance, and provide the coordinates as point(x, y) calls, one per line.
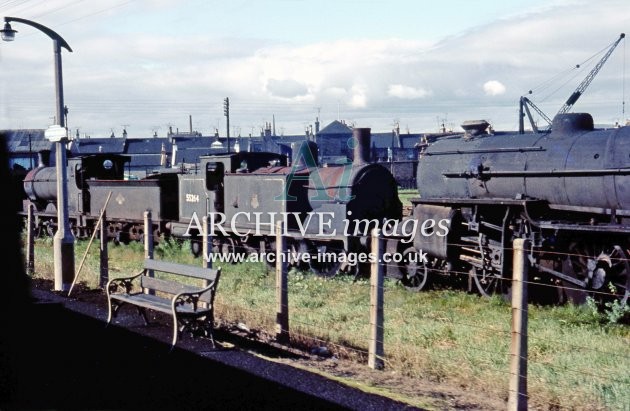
point(576, 361)
point(406, 194)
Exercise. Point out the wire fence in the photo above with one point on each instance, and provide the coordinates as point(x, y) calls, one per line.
point(461, 340)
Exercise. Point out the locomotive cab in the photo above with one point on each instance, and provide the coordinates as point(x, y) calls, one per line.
point(204, 191)
point(40, 184)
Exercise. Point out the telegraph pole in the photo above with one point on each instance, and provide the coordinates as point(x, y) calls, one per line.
point(226, 111)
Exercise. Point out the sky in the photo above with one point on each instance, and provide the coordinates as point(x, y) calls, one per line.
point(147, 65)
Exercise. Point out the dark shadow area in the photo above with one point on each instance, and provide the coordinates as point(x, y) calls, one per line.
point(70, 361)
point(14, 285)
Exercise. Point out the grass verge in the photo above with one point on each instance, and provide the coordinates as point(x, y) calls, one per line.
point(576, 361)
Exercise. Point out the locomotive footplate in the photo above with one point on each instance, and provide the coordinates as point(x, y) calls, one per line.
point(586, 227)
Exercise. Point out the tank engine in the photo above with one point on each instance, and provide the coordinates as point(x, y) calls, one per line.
point(253, 191)
point(567, 190)
point(40, 187)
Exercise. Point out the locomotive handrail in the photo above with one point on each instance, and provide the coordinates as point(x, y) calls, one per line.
point(541, 173)
point(486, 150)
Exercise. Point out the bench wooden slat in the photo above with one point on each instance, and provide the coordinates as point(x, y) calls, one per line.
point(185, 314)
point(181, 269)
point(171, 287)
point(145, 300)
point(155, 303)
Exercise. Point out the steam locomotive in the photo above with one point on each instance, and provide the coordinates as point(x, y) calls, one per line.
point(567, 191)
point(238, 187)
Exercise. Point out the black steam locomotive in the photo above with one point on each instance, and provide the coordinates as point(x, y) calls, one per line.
point(251, 192)
point(248, 191)
point(567, 190)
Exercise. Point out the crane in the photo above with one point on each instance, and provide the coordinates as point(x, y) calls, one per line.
point(525, 102)
point(584, 84)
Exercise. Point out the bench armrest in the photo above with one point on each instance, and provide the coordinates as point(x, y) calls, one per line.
point(192, 297)
point(124, 282)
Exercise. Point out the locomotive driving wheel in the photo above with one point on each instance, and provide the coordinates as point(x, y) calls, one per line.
point(298, 249)
point(196, 247)
point(487, 282)
point(322, 261)
point(230, 247)
point(415, 273)
point(603, 267)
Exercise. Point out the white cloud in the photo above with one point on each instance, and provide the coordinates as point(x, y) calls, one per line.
point(407, 92)
point(358, 98)
point(493, 88)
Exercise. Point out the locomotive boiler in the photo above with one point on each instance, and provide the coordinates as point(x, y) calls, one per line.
point(567, 190)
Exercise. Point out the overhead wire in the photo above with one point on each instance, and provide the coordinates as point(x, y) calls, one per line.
point(623, 87)
point(56, 10)
point(10, 3)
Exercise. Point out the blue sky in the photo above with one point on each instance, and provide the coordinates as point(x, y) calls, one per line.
point(149, 64)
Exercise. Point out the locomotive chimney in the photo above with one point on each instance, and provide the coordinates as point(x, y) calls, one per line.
point(43, 158)
point(361, 140)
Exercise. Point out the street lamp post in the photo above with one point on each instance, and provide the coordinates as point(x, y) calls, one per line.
point(63, 243)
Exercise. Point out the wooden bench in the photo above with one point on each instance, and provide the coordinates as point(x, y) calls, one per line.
point(191, 307)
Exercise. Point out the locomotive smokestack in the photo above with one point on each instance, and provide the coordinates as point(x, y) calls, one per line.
point(43, 158)
point(361, 139)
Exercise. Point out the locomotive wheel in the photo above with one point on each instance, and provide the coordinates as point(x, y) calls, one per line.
point(50, 230)
point(38, 232)
point(76, 231)
point(415, 274)
point(228, 246)
point(298, 248)
point(196, 248)
point(604, 267)
point(157, 235)
point(270, 248)
point(487, 284)
point(232, 247)
point(321, 266)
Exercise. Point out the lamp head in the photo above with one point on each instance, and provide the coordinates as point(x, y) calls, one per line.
point(8, 34)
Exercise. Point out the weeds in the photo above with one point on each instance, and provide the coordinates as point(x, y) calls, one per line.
point(610, 312)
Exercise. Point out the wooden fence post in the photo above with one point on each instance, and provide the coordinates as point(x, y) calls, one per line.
point(206, 250)
point(517, 399)
point(30, 241)
point(376, 352)
point(148, 244)
point(206, 243)
point(104, 258)
point(282, 290)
